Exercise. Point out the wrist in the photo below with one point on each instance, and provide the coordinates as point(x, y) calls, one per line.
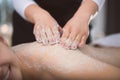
point(39, 14)
point(33, 12)
point(83, 17)
point(87, 9)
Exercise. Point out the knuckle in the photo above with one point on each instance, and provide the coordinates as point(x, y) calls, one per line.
point(65, 31)
point(67, 27)
point(86, 32)
point(78, 39)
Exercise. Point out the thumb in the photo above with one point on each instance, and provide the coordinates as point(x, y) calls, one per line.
point(60, 30)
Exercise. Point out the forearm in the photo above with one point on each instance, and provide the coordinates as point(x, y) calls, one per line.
point(100, 3)
point(28, 9)
point(21, 5)
point(33, 12)
point(87, 9)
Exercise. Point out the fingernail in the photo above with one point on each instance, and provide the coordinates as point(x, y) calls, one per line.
point(74, 47)
point(52, 42)
point(81, 45)
point(37, 39)
point(63, 45)
point(57, 41)
point(69, 42)
point(60, 43)
point(45, 42)
point(67, 47)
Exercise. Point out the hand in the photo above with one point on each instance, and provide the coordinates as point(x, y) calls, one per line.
point(46, 29)
point(75, 33)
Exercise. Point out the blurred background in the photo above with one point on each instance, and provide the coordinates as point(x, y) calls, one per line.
point(105, 23)
point(6, 27)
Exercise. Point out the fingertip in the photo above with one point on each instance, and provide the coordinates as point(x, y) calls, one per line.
point(81, 45)
point(83, 41)
point(64, 39)
point(60, 30)
point(73, 47)
point(38, 40)
point(56, 34)
point(57, 38)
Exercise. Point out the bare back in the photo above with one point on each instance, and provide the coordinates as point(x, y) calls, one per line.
point(68, 63)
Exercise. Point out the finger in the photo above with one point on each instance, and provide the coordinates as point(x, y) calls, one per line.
point(56, 33)
point(71, 39)
point(76, 42)
point(38, 38)
point(65, 35)
point(83, 41)
point(50, 36)
point(67, 44)
point(37, 33)
point(43, 36)
point(60, 30)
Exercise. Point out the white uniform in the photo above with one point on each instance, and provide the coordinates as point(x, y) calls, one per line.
point(21, 5)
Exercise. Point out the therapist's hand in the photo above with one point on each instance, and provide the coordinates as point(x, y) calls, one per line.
point(76, 30)
point(75, 33)
point(46, 29)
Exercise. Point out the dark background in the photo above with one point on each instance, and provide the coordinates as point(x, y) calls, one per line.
point(113, 17)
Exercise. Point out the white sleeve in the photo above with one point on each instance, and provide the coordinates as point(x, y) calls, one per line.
point(21, 5)
point(99, 3)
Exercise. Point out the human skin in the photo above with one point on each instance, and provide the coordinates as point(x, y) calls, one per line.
point(75, 31)
point(34, 61)
point(54, 62)
point(9, 64)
